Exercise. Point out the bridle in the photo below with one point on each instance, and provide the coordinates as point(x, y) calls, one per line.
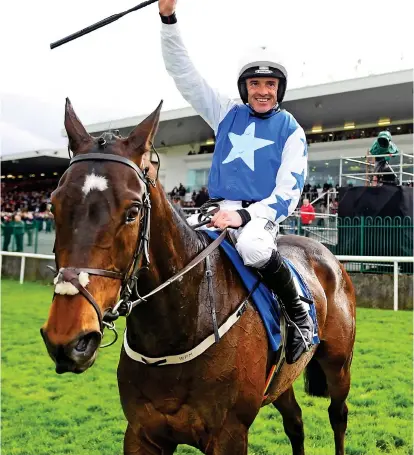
point(140, 257)
point(140, 260)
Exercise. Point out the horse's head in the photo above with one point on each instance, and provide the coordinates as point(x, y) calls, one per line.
point(98, 209)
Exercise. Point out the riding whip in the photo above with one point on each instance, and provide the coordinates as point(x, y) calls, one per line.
point(99, 24)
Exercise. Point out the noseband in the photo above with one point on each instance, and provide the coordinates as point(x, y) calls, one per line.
point(130, 277)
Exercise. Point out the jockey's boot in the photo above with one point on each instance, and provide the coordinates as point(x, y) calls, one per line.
point(300, 327)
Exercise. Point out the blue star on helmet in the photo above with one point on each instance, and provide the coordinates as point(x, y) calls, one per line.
point(305, 146)
point(281, 206)
point(300, 180)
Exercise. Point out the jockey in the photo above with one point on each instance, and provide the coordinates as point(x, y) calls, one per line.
point(259, 164)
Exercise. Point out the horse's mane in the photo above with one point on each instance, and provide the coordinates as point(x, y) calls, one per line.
point(180, 212)
point(198, 236)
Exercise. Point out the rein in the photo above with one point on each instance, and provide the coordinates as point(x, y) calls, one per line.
point(200, 257)
point(140, 260)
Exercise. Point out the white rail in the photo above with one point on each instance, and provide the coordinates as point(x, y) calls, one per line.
point(343, 258)
point(394, 259)
point(23, 261)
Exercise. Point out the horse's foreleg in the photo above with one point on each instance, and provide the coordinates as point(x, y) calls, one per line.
point(288, 407)
point(137, 445)
point(232, 439)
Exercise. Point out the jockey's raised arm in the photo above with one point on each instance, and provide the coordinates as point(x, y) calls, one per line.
point(208, 103)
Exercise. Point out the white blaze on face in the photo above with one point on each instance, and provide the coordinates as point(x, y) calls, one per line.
point(94, 182)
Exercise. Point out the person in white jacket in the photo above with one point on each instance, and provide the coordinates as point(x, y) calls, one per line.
point(259, 164)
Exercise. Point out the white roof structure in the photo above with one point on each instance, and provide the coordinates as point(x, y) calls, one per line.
point(361, 100)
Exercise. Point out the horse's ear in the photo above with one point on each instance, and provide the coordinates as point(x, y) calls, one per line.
point(77, 133)
point(141, 138)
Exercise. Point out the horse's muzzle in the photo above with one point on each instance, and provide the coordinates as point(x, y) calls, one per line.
point(76, 356)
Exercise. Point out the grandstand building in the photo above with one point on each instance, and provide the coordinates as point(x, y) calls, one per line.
point(341, 119)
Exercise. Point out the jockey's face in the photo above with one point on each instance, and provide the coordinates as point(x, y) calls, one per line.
point(262, 93)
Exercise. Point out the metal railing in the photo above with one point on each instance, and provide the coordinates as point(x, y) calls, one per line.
point(405, 163)
point(358, 236)
point(375, 236)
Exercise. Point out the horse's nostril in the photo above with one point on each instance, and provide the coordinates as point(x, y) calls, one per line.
point(87, 342)
point(82, 345)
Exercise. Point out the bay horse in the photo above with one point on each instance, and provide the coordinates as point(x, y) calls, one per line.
point(105, 206)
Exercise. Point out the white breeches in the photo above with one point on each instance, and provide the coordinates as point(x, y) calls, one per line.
point(254, 242)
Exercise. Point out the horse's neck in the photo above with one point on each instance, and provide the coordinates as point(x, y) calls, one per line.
point(173, 242)
point(168, 321)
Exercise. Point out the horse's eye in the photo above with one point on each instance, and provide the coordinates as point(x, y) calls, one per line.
point(132, 213)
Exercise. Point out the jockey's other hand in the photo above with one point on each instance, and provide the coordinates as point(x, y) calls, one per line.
point(167, 7)
point(226, 218)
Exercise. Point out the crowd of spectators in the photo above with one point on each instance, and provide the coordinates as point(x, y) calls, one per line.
point(24, 212)
point(185, 199)
point(28, 201)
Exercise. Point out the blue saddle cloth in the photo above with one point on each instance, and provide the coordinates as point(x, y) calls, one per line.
point(266, 303)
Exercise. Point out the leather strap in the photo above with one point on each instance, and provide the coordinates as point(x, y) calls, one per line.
point(209, 275)
point(199, 349)
point(108, 157)
point(70, 275)
point(99, 272)
point(200, 257)
point(207, 218)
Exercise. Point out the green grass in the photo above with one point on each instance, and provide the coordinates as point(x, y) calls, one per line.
point(47, 414)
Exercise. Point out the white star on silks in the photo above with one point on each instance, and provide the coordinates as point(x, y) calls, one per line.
point(245, 145)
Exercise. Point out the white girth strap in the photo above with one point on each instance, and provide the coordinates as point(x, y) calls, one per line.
point(189, 355)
